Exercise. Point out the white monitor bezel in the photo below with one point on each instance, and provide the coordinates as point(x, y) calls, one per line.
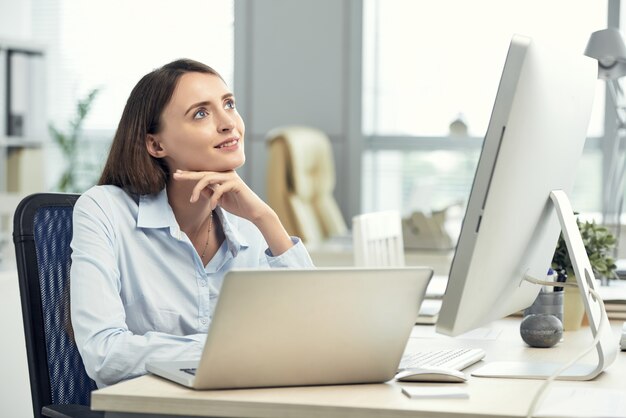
point(533, 144)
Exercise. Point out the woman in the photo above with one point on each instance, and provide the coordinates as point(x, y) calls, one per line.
point(169, 218)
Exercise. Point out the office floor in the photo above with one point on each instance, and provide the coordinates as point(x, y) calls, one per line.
point(14, 385)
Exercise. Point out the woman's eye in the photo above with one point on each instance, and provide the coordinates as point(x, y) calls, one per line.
point(230, 104)
point(201, 113)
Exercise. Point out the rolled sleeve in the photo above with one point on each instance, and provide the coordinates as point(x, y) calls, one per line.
point(295, 257)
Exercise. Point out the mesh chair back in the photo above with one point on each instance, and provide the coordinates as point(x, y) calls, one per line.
point(42, 234)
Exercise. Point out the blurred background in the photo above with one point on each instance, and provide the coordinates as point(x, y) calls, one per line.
point(403, 89)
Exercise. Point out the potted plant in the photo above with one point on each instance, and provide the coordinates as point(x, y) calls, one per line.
point(600, 246)
point(69, 143)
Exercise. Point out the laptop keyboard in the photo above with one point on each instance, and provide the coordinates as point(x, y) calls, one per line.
point(457, 359)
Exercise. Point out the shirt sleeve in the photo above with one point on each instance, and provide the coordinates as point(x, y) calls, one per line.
point(295, 257)
point(110, 352)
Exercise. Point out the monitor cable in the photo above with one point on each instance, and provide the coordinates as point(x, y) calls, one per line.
point(539, 395)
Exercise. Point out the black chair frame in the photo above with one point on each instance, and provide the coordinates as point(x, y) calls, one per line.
point(30, 280)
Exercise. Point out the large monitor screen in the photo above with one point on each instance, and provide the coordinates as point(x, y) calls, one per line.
point(534, 141)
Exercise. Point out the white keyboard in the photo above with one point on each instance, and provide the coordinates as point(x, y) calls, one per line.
point(457, 359)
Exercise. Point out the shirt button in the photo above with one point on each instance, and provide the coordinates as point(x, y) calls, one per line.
point(202, 283)
point(203, 321)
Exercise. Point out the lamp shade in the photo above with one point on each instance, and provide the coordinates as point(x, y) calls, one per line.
point(607, 46)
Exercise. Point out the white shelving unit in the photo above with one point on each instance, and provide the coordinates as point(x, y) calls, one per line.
point(23, 116)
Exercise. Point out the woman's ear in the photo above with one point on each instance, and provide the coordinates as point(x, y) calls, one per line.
point(154, 146)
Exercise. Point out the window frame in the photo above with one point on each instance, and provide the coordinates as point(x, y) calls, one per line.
point(406, 143)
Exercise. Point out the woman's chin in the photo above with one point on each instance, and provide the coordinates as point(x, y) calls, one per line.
point(226, 164)
point(231, 165)
point(237, 164)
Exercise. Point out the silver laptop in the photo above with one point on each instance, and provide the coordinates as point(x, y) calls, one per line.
point(285, 327)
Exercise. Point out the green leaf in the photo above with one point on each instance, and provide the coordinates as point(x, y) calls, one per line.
point(599, 244)
point(69, 142)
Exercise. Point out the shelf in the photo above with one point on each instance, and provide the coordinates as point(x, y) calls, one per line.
point(22, 113)
point(23, 46)
point(19, 142)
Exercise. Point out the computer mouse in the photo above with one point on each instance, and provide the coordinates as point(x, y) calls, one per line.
point(431, 374)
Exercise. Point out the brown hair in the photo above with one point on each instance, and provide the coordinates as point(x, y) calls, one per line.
point(129, 164)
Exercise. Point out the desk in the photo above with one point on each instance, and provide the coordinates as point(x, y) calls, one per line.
point(339, 253)
point(488, 397)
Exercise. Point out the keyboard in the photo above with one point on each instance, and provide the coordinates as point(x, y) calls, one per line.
point(457, 359)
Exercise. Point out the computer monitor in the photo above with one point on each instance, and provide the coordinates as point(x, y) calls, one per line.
point(533, 143)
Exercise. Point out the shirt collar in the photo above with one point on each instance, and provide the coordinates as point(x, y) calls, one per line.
point(155, 212)
point(230, 226)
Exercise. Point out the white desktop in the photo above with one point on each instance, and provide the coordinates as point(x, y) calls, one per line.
point(519, 205)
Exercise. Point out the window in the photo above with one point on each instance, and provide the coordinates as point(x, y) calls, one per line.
point(414, 88)
point(110, 45)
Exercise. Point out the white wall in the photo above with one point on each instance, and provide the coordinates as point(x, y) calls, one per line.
point(298, 62)
point(15, 22)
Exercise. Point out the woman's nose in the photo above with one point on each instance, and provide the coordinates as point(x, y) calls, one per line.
point(226, 123)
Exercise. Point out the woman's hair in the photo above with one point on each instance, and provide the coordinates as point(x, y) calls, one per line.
point(129, 164)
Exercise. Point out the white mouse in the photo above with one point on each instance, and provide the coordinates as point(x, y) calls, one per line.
point(431, 374)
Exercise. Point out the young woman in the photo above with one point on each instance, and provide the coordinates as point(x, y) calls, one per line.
point(169, 218)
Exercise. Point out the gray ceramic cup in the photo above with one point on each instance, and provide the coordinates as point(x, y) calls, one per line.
point(547, 303)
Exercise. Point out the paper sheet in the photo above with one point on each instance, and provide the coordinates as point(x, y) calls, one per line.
point(421, 392)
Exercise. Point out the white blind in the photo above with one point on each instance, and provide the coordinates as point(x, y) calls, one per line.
point(426, 62)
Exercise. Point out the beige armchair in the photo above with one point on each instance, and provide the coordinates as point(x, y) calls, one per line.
point(300, 183)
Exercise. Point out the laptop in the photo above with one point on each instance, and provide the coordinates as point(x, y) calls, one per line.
point(289, 327)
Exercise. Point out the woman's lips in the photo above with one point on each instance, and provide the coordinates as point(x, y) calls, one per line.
point(228, 144)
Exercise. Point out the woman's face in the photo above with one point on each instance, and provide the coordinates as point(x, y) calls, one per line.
point(200, 127)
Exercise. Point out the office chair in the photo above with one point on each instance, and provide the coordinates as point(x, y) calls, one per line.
point(300, 183)
point(377, 239)
point(42, 231)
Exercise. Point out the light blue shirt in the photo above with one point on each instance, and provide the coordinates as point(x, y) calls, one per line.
point(138, 288)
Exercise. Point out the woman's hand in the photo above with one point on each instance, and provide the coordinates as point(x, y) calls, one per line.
point(229, 191)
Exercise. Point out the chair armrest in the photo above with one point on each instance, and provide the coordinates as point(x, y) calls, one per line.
point(70, 411)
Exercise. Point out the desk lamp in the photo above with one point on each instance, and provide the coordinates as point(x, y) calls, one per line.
point(607, 46)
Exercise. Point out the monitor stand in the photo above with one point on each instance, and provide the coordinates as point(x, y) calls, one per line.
point(606, 347)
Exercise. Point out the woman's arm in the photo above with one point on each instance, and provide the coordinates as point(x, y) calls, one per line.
point(110, 351)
